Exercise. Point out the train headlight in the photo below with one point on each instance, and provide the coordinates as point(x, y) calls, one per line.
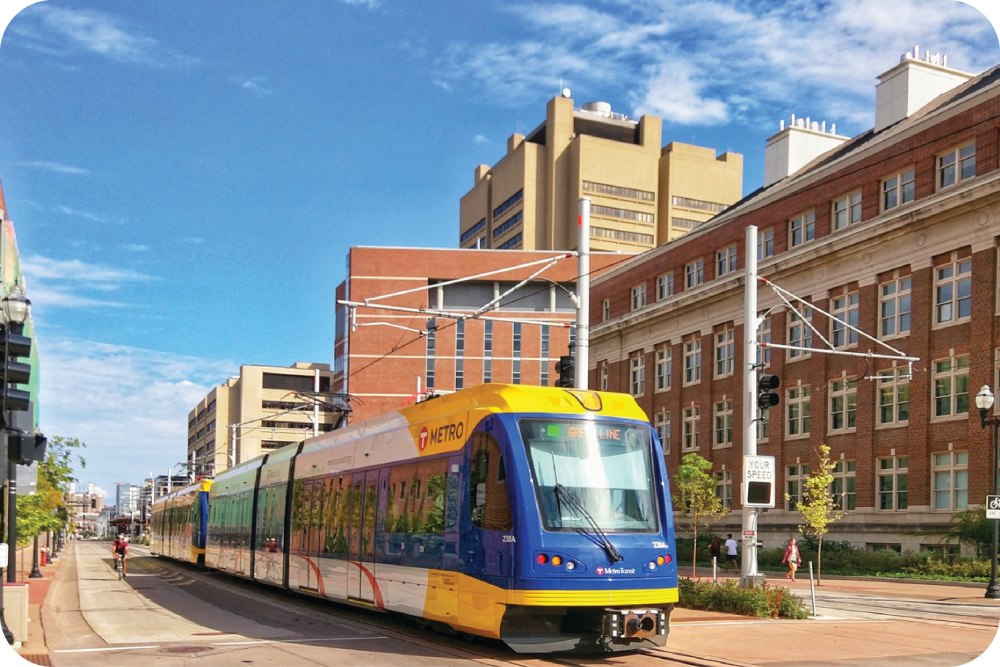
point(652, 565)
point(570, 565)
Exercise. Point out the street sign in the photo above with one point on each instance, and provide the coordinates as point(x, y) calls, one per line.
point(993, 507)
point(758, 481)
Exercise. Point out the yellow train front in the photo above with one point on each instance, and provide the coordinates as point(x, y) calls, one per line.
point(537, 516)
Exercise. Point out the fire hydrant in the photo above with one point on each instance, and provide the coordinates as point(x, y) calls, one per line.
point(45, 555)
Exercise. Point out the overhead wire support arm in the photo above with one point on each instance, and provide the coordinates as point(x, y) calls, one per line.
point(787, 297)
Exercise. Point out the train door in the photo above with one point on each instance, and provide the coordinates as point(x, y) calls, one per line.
point(364, 498)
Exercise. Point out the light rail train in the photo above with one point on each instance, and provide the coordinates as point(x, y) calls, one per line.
point(537, 516)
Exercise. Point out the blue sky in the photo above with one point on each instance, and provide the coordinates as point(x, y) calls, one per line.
point(186, 177)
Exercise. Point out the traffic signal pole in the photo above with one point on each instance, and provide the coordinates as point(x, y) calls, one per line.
point(583, 295)
point(749, 559)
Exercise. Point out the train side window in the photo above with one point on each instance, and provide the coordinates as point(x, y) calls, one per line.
point(490, 503)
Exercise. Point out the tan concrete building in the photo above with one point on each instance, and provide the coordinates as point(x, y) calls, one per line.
point(263, 408)
point(642, 194)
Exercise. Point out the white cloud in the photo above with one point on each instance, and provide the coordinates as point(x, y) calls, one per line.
point(60, 31)
point(699, 62)
point(129, 405)
point(366, 4)
point(76, 284)
point(55, 167)
point(256, 85)
point(80, 214)
point(480, 140)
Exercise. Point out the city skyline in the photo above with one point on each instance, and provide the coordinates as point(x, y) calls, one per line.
point(185, 195)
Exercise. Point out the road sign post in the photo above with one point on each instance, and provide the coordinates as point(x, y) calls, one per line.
point(993, 507)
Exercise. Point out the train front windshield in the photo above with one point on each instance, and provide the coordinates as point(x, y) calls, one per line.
point(591, 472)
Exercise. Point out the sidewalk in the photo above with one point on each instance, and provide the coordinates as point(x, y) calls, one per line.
point(34, 650)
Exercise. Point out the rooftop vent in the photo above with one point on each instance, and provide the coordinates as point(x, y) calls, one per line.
point(911, 84)
point(797, 145)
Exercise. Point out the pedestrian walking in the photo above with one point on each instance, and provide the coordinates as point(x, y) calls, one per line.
point(715, 549)
point(792, 558)
point(731, 555)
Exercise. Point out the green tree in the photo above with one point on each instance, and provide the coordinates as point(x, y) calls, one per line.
point(700, 505)
point(819, 507)
point(45, 510)
point(971, 527)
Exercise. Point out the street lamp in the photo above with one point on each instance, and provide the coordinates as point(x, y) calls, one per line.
point(13, 312)
point(984, 401)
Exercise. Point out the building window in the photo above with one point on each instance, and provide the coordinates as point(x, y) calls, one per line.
point(487, 351)
point(662, 424)
point(544, 373)
point(893, 483)
point(692, 361)
point(797, 412)
point(516, 350)
point(604, 377)
point(846, 313)
point(765, 243)
point(764, 340)
point(956, 166)
point(431, 359)
point(894, 397)
point(894, 307)
point(846, 211)
point(689, 427)
point(800, 333)
point(664, 286)
point(605, 310)
point(898, 189)
point(843, 405)
point(844, 488)
point(664, 368)
point(725, 260)
point(694, 273)
point(638, 296)
point(801, 229)
point(950, 474)
point(951, 386)
point(725, 353)
point(459, 354)
point(637, 383)
point(953, 291)
point(795, 478)
point(763, 427)
point(723, 417)
point(724, 488)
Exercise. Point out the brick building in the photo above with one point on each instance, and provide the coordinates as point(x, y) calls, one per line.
point(894, 231)
point(425, 338)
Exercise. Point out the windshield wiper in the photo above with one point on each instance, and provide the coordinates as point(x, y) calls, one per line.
point(599, 536)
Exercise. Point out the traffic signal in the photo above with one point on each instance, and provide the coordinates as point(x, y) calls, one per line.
point(766, 396)
point(13, 371)
point(26, 447)
point(566, 367)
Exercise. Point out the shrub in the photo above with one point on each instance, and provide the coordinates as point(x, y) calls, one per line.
point(730, 597)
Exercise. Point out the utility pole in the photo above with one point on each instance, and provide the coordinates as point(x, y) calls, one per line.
point(583, 295)
point(749, 560)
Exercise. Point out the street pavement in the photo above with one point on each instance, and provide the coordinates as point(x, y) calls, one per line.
point(839, 634)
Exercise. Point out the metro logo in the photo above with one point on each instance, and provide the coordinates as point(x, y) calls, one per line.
point(440, 435)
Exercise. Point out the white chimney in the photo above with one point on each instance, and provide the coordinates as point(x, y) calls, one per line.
point(912, 84)
point(796, 145)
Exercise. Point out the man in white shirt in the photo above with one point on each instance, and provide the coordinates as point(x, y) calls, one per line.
point(731, 552)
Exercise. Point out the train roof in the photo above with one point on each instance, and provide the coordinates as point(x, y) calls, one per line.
point(441, 425)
